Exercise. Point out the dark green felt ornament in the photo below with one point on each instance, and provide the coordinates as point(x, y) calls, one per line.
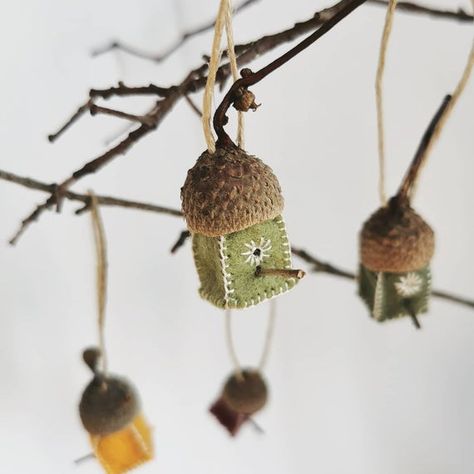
point(396, 247)
point(232, 203)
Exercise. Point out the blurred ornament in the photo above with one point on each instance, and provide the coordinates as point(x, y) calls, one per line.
point(244, 394)
point(397, 245)
point(110, 407)
point(110, 412)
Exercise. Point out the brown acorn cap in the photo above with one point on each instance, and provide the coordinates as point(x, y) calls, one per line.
point(396, 239)
point(247, 393)
point(108, 404)
point(228, 191)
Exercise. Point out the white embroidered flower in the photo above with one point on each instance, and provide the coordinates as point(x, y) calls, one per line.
point(409, 285)
point(257, 252)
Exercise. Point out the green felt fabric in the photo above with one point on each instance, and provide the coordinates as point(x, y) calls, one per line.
point(400, 294)
point(226, 265)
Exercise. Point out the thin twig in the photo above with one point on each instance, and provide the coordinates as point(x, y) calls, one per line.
point(183, 237)
point(74, 118)
point(84, 198)
point(84, 458)
point(122, 90)
point(410, 7)
point(323, 267)
point(158, 58)
point(407, 7)
point(143, 119)
point(193, 106)
point(405, 190)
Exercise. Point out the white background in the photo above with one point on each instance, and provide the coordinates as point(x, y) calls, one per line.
point(348, 395)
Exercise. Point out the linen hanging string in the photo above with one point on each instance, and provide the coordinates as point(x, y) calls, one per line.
point(379, 97)
point(101, 275)
point(223, 20)
point(267, 344)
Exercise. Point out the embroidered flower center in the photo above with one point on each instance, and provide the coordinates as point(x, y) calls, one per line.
point(256, 253)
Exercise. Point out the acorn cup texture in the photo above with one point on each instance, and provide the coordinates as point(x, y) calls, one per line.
point(395, 239)
point(247, 394)
point(228, 191)
point(108, 405)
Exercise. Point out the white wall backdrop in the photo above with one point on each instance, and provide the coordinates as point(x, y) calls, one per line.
point(348, 395)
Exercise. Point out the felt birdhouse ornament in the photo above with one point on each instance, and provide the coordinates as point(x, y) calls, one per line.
point(244, 394)
point(110, 412)
point(396, 248)
point(232, 203)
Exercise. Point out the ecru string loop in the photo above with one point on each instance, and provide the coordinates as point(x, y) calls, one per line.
point(267, 344)
point(223, 20)
point(234, 68)
point(230, 343)
point(379, 97)
point(101, 268)
point(269, 335)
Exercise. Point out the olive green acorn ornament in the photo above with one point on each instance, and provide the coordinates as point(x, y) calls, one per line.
point(396, 247)
point(232, 203)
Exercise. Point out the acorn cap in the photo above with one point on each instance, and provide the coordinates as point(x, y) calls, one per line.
point(395, 239)
point(228, 191)
point(247, 393)
point(108, 404)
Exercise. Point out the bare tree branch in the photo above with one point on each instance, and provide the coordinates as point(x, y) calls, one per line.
point(84, 198)
point(158, 58)
point(319, 266)
point(408, 7)
point(411, 7)
point(147, 119)
point(74, 118)
point(170, 96)
point(194, 81)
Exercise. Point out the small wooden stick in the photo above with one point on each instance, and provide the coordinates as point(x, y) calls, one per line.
point(415, 321)
point(283, 272)
point(256, 426)
point(82, 459)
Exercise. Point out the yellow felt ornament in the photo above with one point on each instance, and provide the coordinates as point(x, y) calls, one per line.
point(110, 407)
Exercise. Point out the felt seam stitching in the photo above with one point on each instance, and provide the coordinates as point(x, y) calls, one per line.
point(378, 297)
point(228, 290)
point(141, 442)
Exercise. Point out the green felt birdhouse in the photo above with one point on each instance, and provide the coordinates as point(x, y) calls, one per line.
point(232, 203)
point(396, 247)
